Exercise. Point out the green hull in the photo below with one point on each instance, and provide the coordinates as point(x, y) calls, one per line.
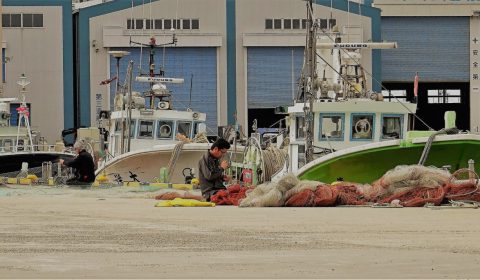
point(367, 166)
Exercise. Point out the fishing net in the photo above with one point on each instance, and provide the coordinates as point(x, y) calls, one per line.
point(349, 194)
point(325, 195)
point(403, 178)
point(269, 194)
point(301, 186)
point(418, 197)
point(304, 198)
point(231, 196)
point(466, 189)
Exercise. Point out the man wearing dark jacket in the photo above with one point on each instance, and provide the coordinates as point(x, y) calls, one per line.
point(82, 164)
point(211, 169)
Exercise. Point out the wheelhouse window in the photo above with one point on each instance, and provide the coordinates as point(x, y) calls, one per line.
point(132, 128)
point(145, 129)
point(165, 130)
point(300, 132)
point(392, 127)
point(444, 96)
point(332, 127)
point(199, 127)
point(362, 126)
point(395, 95)
point(118, 125)
point(184, 128)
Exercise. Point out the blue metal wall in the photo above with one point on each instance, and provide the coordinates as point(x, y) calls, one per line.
point(179, 63)
point(269, 75)
point(435, 47)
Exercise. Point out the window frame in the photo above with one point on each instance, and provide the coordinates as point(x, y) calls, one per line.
point(320, 126)
point(383, 116)
point(172, 129)
point(139, 130)
point(372, 126)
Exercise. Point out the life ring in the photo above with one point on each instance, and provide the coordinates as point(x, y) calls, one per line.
point(165, 130)
point(363, 125)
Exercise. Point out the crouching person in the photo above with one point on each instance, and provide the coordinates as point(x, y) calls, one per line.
point(211, 169)
point(82, 165)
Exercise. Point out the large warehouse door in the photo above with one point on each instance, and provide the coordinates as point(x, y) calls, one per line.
point(199, 64)
point(272, 79)
point(438, 48)
point(435, 47)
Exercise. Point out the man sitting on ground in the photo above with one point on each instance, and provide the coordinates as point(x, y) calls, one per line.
point(211, 169)
point(82, 164)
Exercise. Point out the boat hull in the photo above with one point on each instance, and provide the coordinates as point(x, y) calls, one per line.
point(12, 162)
point(146, 163)
point(365, 164)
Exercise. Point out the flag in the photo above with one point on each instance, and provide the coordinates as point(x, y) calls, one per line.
point(415, 85)
point(107, 81)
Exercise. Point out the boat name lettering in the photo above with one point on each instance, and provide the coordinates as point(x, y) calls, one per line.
point(350, 46)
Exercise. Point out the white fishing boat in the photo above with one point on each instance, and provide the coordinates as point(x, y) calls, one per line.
point(149, 140)
point(20, 146)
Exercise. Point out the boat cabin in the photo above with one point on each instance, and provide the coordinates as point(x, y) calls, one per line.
point(344, 124)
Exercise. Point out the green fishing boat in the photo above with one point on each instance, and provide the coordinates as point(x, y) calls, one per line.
point(367, 163)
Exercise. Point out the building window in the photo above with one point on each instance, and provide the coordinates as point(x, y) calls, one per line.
point(158, 24)
point(139, 24)
point(287, 24)
point(304, 24)
point(130, 23)
point(12, 20)
point(268, 24)
point(148, 24)
point(195, 24)
point(32, 20)
point(186, 24)
point(296, 23)
point(277, 24)
point(395, 95)
point(176, 24)
point(444, 96)
point(362, 126)
point(167, 24)
point(4, 66)
point(331, 127)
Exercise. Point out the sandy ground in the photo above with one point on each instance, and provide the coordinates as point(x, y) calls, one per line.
point(65, 233)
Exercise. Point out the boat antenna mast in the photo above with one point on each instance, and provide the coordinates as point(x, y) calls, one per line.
point(150, 77)
point(23, 113)
point(308, 81)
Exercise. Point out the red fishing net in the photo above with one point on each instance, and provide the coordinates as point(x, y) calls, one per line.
point(418, 197)
point(231, 196)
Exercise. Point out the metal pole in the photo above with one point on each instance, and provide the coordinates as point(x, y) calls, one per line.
point(129, 102)
point(309, 83)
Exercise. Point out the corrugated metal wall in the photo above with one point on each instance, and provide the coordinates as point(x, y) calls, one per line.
point(435, 47)
point(179, 63)
point(269, 75)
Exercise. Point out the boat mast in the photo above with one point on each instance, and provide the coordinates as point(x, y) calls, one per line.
point(309, 79)
point(23, 113)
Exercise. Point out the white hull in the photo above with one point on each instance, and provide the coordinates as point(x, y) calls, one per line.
point(146, 163)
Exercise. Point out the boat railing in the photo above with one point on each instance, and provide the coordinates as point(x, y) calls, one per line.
point(33, 148)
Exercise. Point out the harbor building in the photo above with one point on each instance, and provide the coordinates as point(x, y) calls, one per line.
point(37, 41)
point(240, 59)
